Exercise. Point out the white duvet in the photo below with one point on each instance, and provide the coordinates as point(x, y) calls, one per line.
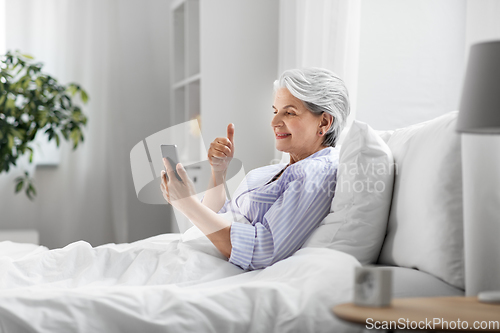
point(168, 284)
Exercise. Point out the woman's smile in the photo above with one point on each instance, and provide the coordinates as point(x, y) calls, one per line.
point(280, 136)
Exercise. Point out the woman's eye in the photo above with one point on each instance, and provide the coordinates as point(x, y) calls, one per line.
point(286, 113)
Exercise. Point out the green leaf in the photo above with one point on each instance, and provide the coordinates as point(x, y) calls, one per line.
point(27, 56)
point(75, 135)
point(11, 104)
point(32, 188)
point(10, 141)
point(26, 82)
point(72, 89)
point(19, 186)
point(2, 99)
point(43, 118)
point(17, 134)
point(65, 102)
point(30, 192)
point(84, 96)
point(31, 154)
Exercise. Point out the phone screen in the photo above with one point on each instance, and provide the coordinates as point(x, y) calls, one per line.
point(170, 153)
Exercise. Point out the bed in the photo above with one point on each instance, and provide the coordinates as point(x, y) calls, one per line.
point(181, 283)
point(163, 284)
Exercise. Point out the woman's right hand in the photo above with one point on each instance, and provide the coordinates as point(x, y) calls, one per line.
point(221, 151)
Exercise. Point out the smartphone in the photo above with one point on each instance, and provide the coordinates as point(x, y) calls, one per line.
point(170, 153)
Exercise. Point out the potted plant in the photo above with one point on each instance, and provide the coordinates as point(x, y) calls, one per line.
point(33, 101)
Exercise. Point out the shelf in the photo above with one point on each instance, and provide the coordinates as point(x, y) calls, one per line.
point(187, 81)
point(176, 3)
point(186, 78)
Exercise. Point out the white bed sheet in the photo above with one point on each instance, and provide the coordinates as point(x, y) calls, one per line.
point(165, 284)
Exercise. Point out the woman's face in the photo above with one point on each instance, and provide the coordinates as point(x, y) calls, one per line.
point(296, 129)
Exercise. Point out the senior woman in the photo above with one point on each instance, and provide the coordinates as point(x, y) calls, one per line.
point(282, 203)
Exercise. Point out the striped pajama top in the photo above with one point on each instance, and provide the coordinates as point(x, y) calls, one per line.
point(282, 213)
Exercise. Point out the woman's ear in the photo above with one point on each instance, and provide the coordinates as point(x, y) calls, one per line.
point(326, 122)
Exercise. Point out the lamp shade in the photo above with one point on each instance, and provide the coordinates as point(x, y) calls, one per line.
point(480, 102)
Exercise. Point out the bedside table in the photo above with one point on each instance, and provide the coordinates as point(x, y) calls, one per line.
point(426, 313)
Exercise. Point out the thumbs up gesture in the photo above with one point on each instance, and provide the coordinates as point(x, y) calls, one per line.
point(221, 151)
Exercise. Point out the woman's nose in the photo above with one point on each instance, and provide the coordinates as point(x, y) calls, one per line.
point(276, 121)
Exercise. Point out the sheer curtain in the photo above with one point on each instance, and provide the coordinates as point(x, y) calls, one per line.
point(321, 33)
point(72, 39)
point(118, 51)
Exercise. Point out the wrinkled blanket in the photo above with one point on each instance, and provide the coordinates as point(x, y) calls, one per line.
point(168, 283)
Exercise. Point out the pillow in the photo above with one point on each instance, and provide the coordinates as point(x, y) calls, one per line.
point(360, 207)
point(425, 229)
point(385, 135)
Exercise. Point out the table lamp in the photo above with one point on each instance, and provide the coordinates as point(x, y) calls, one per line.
point(479, 122)
point(480, 103)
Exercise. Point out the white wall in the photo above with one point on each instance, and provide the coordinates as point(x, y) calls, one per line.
point(143, 95)
point(411, 60)
point(482, 21)
point(239, 63)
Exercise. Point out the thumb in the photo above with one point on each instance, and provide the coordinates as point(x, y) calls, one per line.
point(230, 133)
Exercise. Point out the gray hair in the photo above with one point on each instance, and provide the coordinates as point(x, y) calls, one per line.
point(321, 91)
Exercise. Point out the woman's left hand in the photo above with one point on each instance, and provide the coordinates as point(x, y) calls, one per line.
point(178, 193)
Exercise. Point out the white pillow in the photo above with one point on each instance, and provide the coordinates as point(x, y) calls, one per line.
point(360, 207)
point(385, 135)
point(425, 225)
